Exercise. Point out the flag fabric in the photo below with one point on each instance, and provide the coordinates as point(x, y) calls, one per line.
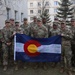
point(31, 49)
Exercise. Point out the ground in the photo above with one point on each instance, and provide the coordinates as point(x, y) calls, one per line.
point(31, 71)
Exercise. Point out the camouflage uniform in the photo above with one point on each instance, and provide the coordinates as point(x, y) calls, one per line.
point(19, 30)
point(47, 26)
point(26, 29)
point(12, 26)
point(6, 39)
point(39, 32)
point(54, 32)
point(33, 23)
point(73, 45)
point(66, 48)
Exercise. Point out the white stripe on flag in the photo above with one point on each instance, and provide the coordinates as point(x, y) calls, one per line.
point(14, 47)
point(52, 48)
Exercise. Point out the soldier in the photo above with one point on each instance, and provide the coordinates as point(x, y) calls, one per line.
point(12, 26)
point(39, 31)
point(12, 23)
point(66, 49)
point(57, 21)
point(44, 21)
point(53, 32)
point(6, 43)
point(25, 27)
point(73, 41)
point(39, 28)
point(26, 30)
point(17, 29)
point(34, 21)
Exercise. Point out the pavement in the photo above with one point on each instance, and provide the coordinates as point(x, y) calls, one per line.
point(31, 71)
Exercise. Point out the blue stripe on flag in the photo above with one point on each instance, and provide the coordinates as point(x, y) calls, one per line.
point(43, 57)
point(22, 38)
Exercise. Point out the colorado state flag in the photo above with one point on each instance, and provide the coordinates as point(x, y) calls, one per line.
point(37, 49)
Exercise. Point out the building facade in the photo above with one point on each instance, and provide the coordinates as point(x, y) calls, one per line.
point(35, 8)
point(16, 9)
point(73, 5)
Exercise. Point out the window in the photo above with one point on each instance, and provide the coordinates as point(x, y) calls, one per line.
point(39, 4)
point(47, 4)
point(22, 17)
point(39, 11)
point(31, 18)
point(47, 10)
point(8, 13)
point(55, 2)
point(31, 11)
point(31, 4)
point(55, 10)
point(16, 15)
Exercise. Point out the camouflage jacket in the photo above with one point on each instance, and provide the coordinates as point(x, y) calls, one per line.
point(66, 36)
point(54, 32)
point(26, 29)
point(39, 31)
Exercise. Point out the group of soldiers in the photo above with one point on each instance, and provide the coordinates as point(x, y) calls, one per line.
point(39, 28)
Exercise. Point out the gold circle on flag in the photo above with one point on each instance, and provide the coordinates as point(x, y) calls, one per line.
point(32, 48)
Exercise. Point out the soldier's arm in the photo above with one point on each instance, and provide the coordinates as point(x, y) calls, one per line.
point(68, 36)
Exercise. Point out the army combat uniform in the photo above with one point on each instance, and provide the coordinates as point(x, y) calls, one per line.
point(66, 49)
point(73, 41)
point(39, 32)
point(26, 29)
point(19, 30)
point(54, 32)
point(6, 42)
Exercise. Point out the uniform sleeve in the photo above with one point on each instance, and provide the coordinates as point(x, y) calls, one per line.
point(68, 35)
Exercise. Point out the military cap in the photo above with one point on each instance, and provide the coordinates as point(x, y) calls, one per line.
point(63, 22)
point(34, 17)
point(16, 21)
point(73, 19)
point(25, 19)
point(39, 19)
point(7, 21)
point(12, 19)
point(55, 23)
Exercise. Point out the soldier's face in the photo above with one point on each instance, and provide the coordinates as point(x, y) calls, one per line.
point(55, 26)
point(39, 23)
point(7, 24)
point(12, 22)
point(73, 23)
point(25, 22)
point(62, 25)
